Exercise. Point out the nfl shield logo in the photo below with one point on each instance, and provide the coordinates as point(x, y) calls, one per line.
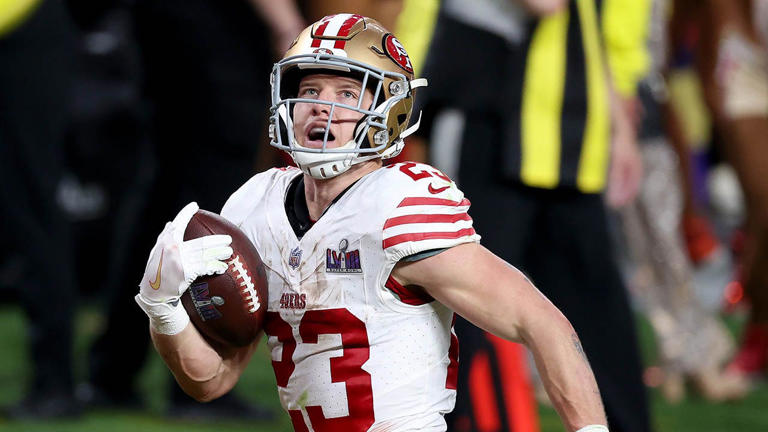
point(295, 259)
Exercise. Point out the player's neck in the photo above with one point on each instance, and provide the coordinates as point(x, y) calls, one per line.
point(320, 193)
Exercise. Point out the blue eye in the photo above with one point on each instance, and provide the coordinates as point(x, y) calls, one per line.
point(309, 92)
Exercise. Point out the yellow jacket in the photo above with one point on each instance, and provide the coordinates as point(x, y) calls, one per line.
point(14, 12)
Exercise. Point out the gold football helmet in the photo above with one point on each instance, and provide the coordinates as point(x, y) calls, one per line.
point(356, 46)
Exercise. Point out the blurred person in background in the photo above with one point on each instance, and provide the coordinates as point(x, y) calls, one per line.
point(689, 131)
point(733, 63)
point(383, 11)
point(690, 134)
point(525, 110)
point(712, 210)
point(206, 67)
point(107, 149)
point(693, 344)
point(36, 68)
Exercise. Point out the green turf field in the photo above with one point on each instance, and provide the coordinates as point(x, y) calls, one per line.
point(693, 415)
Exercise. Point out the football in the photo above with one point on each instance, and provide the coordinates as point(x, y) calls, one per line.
point(228, 308)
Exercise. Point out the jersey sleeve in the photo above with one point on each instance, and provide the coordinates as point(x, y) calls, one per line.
point(430, 213)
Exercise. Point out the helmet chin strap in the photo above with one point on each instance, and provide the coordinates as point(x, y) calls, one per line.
point(329, 165)
point(324, 165)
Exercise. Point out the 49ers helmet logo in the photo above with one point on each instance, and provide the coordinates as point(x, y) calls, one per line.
point(396, 52)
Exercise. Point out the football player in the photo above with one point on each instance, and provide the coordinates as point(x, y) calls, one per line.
point(366, 263)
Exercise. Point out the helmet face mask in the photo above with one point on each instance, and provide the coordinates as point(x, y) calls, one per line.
point(359, 48)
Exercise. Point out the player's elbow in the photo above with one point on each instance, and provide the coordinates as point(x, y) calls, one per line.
point(208, 390)
point(204, 380)
point(201, 393)
point(208, 395)
point(547, 319)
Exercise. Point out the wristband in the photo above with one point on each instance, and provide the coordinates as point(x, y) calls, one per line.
point(164, 318)
point(593, 428)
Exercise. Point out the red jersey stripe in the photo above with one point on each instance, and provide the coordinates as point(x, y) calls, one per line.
point(415, 201)
point(402, 238)
point(298, 421)
point(407, 295)
point(427, 218)
point(452, 378)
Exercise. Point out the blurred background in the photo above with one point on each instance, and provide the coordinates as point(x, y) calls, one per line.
point(114, 114)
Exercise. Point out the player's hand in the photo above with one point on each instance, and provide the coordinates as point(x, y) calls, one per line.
point(625, 173)
point(174, 263)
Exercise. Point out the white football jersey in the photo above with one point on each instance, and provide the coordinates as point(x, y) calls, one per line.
point(352, 350)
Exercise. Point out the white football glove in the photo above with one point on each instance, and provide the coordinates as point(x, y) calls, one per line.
point(172, 266)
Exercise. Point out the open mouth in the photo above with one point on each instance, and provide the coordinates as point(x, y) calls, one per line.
point(317, 134)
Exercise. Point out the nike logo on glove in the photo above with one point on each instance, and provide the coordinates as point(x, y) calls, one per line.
point(433, 190)
point(156, 284)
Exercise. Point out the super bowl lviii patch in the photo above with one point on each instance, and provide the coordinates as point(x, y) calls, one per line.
point(204, 303)
point(342, 260)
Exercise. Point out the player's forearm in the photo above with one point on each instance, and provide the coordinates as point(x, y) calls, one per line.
point(199, 369)
point(280, 15)
point(565, 371)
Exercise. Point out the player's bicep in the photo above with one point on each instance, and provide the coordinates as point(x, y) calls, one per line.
point(479, 286)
